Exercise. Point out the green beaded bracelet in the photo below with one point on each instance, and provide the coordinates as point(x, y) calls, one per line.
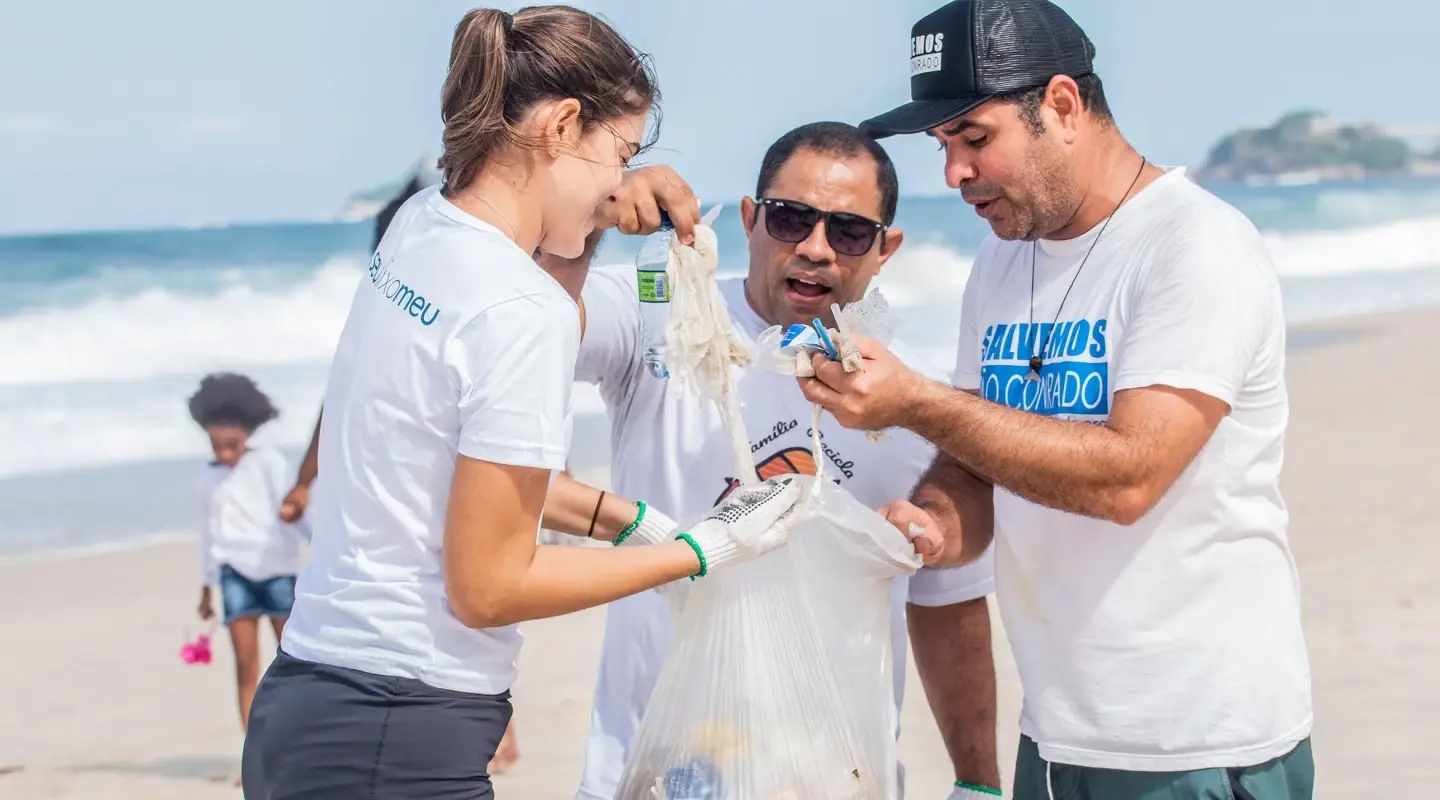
point(700, 554)
point(629, 529)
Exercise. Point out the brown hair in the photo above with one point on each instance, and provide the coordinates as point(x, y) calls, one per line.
point(502, 65)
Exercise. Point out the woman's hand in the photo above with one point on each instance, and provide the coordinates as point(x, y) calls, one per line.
point(751, 521)
point(206, 610)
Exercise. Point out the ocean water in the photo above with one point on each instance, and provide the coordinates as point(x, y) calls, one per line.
point(104, 335)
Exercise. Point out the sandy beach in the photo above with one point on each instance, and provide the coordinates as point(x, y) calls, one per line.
point(97, 704)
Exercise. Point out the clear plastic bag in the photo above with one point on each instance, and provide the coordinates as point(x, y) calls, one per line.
point(778, 685)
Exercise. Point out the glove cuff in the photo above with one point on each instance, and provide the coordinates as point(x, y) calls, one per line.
point(649, 527)
point(713, 545)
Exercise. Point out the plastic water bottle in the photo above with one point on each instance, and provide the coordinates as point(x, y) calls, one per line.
point(654, 296)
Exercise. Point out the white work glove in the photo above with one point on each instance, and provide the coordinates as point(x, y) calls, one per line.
point(962, 792)
point(650, 527)
point(752, 521)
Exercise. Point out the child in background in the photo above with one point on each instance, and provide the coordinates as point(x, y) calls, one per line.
point(244, 547)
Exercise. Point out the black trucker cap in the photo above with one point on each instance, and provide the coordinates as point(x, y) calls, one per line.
point(968, 51)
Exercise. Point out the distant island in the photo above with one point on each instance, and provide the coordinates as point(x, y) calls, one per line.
point(1309, 146)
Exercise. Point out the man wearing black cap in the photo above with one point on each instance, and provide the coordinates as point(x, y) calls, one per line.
point(1116, 423)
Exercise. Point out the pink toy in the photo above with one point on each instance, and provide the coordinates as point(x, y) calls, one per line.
point(198, 651)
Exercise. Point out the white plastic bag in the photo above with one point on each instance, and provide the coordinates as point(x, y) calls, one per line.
point(778, 685)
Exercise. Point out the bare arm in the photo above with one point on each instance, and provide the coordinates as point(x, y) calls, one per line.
point(1117, 471)
point(292, 508)
point(953, 656)
point(496, 574)
point(570, 505)
point(962, 505)
point(310, 464)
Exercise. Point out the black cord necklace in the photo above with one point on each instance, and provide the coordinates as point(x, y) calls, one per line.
point(1037, 361)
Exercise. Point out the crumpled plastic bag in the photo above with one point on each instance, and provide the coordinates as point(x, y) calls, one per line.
point(778, 685)
point(869, 316)
point(702, 350)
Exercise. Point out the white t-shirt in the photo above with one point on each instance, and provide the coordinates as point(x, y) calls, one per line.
point(240, 513)
point(457, 343)
point(1173, 643)
point(669, 448)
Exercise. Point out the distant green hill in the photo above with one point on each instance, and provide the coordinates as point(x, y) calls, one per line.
point(1308, 145)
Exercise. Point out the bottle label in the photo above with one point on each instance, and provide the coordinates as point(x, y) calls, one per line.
point(653, 287)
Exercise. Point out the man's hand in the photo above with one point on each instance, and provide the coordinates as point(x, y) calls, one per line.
point(873, 398)
point(206, 609)
point(918, 526)
point(635, 207)
point(292, 508)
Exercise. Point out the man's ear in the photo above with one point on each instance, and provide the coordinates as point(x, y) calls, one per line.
point(749, 214)
point(894, 237)
point(1062, 100)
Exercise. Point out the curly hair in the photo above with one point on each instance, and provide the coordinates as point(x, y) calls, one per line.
point(225, 398)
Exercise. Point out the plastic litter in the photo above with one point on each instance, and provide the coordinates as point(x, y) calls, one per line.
point(778, 684)
point(779, 678)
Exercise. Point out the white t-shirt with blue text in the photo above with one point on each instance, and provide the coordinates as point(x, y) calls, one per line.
point(457, 343)
point(1174, 643)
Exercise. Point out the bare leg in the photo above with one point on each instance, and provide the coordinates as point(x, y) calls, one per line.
point(277, 624)
point(507, 753)
point(244, 635)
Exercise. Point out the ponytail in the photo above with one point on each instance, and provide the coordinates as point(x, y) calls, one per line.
point(473, 100)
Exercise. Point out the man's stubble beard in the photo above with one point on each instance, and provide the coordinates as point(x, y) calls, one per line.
point(1052, 194)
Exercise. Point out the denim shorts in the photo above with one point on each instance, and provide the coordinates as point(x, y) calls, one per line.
point(241, 597)
point(321, 732)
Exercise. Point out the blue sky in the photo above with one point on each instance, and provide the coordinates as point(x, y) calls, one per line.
point(163, 112)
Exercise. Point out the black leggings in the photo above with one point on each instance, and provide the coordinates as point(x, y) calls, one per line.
point(319, 732)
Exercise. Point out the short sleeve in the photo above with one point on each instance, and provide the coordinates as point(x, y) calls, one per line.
point(514, 366)
point(967, 353)
point(945, 586)
point(610, 344)
point(1201, 313)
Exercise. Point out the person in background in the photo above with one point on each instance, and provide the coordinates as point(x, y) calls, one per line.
point(245, 551)
point(446, 417)
point(820, 228)
point(1118, 409)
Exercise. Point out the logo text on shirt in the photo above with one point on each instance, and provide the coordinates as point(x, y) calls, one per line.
point(404, 297)
point(1074, 380)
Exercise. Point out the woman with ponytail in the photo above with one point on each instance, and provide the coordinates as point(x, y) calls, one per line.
point(445, 418)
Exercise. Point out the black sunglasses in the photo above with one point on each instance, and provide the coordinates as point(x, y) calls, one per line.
point(792, 222)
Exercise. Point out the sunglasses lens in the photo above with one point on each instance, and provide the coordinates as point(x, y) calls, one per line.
point(789, 222)
point(850, 235)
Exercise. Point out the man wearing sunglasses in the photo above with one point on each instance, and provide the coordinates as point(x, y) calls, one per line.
point(819, 230)
point(1118, 414)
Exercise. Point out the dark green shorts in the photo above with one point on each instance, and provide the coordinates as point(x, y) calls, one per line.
point(1289, 777)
